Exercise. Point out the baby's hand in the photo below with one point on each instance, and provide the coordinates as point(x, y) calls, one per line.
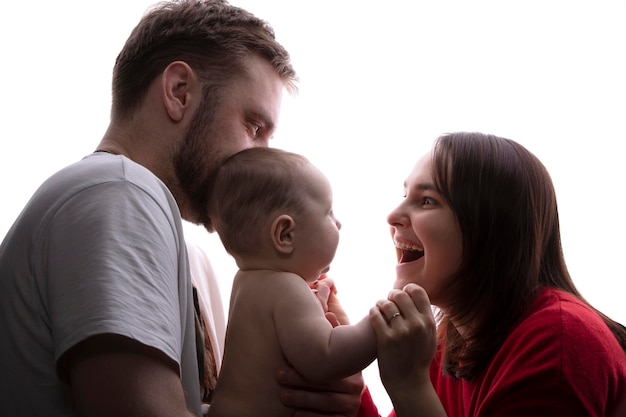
point(326, 293)
point(323, 288)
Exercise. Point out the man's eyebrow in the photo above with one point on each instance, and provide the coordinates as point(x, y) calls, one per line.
point(268, 123)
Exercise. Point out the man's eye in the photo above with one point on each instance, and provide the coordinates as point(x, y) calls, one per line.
point(254, 128)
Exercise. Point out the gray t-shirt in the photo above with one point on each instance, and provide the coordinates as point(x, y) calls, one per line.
point(98, 249)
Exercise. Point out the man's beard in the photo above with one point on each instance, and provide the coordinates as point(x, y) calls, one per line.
point(196, 161)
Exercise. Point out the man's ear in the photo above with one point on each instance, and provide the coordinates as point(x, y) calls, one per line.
point(177, 82)
point(282, 234)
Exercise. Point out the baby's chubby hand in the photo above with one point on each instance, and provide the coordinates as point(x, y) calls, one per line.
point(323, 288)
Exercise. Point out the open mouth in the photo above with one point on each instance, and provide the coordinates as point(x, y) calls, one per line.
point(411, 255)
point(408, 253)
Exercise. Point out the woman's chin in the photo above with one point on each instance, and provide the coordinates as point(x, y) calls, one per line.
point(407, 273)
point(400, 283)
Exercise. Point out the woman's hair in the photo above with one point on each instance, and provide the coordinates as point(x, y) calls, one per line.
point(505, 204)
point(248, 188)
point(212, 36)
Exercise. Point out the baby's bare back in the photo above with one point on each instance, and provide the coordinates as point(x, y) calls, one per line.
point(247, 385)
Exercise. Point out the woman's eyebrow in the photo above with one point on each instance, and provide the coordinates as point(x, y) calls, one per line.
point(422, 186)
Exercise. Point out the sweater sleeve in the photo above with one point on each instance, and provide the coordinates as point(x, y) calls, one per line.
point(368, 408)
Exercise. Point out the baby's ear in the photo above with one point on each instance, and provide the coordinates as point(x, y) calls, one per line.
point(282, 234)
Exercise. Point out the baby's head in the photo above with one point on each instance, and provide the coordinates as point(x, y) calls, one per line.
point(273, 209)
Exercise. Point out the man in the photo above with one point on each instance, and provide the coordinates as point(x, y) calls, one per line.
point(96, 303)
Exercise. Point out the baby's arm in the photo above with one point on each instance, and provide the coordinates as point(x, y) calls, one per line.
point(309, 342)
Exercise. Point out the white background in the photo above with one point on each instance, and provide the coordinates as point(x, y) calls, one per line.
point(379, 81)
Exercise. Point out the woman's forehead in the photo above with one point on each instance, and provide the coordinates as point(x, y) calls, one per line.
point(421, 170)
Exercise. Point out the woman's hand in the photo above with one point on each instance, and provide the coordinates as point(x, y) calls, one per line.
point(406, 338)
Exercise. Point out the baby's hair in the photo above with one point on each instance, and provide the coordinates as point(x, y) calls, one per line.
point(249, 187)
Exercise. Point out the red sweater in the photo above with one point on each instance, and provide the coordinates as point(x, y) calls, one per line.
point(562, 360)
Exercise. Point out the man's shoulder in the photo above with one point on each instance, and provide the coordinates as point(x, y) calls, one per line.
point(102, 167)
point(100, 170)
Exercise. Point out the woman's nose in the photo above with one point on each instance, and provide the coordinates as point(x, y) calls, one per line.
point(396, 218)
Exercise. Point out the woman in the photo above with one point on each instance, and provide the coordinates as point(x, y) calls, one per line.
point(478, 231)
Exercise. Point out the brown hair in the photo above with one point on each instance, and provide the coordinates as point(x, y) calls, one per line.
point(505, 203)
point(250, 186)
point(212, 36)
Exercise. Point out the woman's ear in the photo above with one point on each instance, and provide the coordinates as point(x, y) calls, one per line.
point(177, 82)
point(282, 233)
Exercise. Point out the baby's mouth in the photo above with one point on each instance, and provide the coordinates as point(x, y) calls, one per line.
point(408, 253)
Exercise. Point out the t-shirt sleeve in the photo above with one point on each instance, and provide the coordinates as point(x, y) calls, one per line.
point(112, 261)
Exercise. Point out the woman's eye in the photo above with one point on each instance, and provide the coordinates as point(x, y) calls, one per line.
point(427, 201)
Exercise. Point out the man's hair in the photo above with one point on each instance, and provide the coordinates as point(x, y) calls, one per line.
point(212, 36)
point(250, 186)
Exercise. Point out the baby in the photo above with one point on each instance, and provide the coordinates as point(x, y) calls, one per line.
point(273, 212)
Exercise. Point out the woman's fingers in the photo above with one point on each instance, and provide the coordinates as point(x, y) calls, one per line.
point(411, 299)
point(406, 336)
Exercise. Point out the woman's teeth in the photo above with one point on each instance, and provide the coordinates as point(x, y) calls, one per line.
point(409, 252)
point(407, 246)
